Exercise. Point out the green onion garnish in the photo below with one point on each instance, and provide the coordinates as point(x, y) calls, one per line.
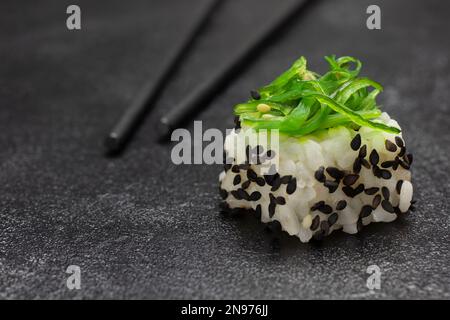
point(302, 101)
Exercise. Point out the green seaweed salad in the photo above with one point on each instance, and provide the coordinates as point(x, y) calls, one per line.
point(300, 102)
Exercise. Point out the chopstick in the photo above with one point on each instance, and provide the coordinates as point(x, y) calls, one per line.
point(204, 93)
point(127, 125)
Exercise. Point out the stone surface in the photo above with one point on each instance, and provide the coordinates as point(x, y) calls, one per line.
point(141, 227)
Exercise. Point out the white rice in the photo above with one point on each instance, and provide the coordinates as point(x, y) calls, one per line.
point(301, 158)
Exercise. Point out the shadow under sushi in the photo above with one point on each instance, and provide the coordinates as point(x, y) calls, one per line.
point(270, 238)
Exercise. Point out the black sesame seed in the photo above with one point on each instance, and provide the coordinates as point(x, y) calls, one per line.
point(365, 163)
point(356, 142)
point(399, 141)
point(255, 94)
point(387, 164)
point(274, 177)
point(349, 191)
point(325, 226)
point(331, 185)
point(326, 209)
point(395, 165)
point(390, 146)
point(359, 225)
point(335, 173)
point(260, 181)
point(409, 158)
point(269, 178)
point(371, 191)
point(258, 211)
point(319, 174)
point(332, 218)
point(385, 174)
point(280, 200)
point(245, 184)
point(387, 206)
point(357, 165)
point(358, 189)
point(374, 157)
point(350, 179)
point(236, 194)
point(223, 193)
point(285, 179)
point(398, 186)
point(317, 205)
point(243, 194)
point(362, 152)
point(255, 196)
point(292, 186)
point(376, 171)
point(385, 192)
point(365, 211)
point(341, 205)
point(402, 152)
point(251, 175)
point(271, 209)
point(237, 179)
point(272, 198)
point(276, 183)
point(315, 223)
point(235, 169)
point(376, 201)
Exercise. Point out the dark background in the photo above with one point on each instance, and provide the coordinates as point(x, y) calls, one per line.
point(141, 227)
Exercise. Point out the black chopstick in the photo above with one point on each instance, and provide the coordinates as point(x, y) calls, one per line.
point(204, 93)
point(133, 116)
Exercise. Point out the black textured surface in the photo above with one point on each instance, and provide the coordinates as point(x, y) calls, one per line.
point(140, 227)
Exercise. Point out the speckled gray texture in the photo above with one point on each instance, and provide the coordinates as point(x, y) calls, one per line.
point(140, 227)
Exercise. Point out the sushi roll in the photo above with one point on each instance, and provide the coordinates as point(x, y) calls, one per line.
point(332, 159)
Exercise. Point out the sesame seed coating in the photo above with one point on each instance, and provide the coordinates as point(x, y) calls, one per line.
point(315, 223)
point(390, 146)
point(371, 191)
point(356, 142)
point(350, 179)
point(374, 157)
point(341, 205)
point(376, 201)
